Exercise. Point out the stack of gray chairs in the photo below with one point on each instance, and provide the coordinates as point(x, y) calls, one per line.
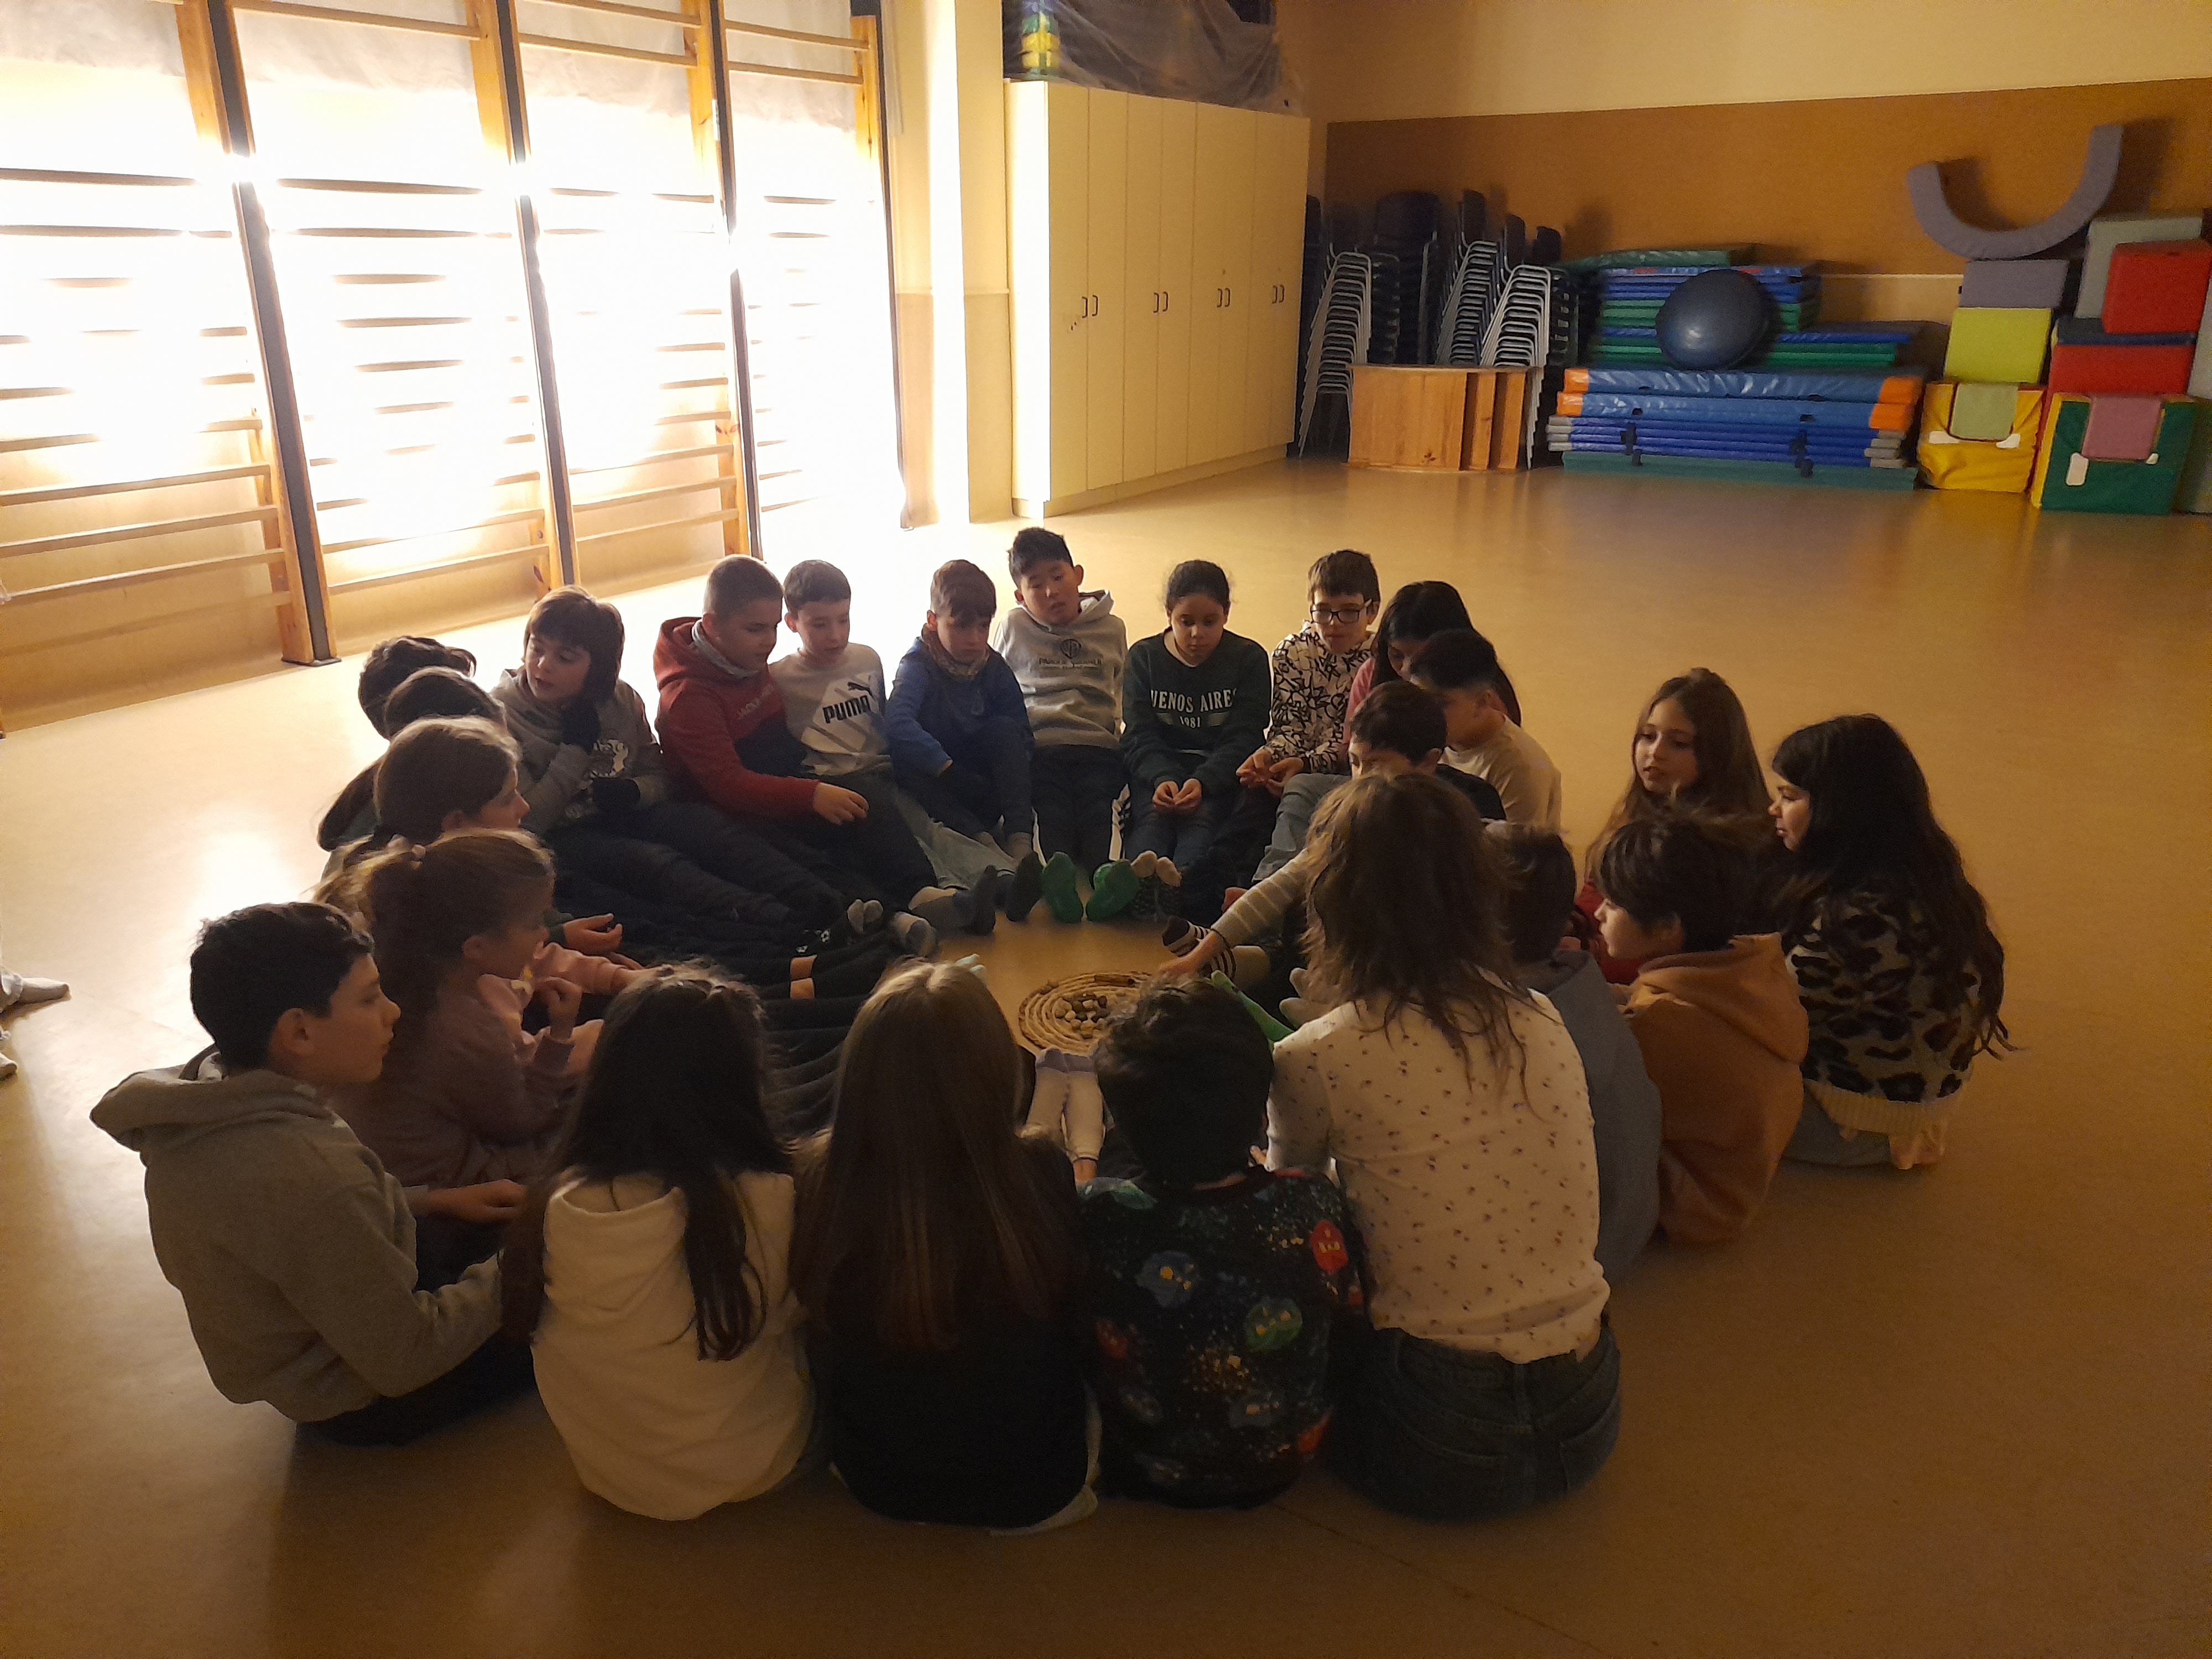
point(1341, 326)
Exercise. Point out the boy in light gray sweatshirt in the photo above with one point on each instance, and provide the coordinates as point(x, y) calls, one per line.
point(293, 1249)
point(1067, 649)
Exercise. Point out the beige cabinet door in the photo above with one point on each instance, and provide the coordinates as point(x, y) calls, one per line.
point(1107, 206)
point(1140, 284)
point(1181, 294)
point(1221, 240)
point(1278, 237)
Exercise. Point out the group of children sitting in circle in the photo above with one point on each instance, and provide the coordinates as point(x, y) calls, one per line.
point(794, 1194)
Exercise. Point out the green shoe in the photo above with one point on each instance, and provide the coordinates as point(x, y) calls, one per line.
point(1027, 887)
point(1113, 888)
point(1275, 1029)
point(1058, 883)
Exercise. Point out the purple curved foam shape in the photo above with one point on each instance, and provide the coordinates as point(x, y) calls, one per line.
point(1947, 230)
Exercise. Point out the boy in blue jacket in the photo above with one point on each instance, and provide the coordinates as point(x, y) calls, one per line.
point(959, 731)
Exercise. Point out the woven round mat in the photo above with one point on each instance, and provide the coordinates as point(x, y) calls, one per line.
point(1072, 1013)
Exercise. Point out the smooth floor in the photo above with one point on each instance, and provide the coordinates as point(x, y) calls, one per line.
point(1957, 1411)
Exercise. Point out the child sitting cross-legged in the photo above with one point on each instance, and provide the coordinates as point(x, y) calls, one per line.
point(1691, 749)
point(1624, 1114)
point(833, 704)
point(1461, 669)
point(1214, 1282)
point(292, 1245)
point(1067, 649)
point(1194, 705)
point(600, 795)
point(1454, 1104)
point(959, 731)
point(938, 1256)
point(1901, 975)
point(464, 1096)
point(650, 1262)
point(1714, 1011)
point(1398, 730)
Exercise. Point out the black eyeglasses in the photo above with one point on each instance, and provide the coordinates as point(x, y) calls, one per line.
point(1323, 614)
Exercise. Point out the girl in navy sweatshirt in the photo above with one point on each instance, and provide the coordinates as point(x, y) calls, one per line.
point(1194, 705)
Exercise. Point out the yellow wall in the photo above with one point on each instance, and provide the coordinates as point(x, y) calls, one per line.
point(1377, 60)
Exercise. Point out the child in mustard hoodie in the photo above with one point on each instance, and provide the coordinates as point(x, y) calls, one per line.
point(1716, 1013)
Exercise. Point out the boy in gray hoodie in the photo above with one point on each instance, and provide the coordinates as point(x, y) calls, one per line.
point(293, 1249)
point(1067, 649)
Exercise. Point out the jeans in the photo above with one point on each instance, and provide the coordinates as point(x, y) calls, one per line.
point(879, 846)
point(1075, 786)
point(987, 782)
point(1294, 817)
point(1820, 1140)
point(1446, 1434)
point(495, 1372)
point(692, 854)
point(1185, 837)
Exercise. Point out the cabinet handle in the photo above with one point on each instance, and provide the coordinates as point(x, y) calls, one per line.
point(1094, 305)
point(1167, 299)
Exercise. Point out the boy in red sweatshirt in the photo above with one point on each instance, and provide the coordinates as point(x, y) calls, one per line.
point(1716, 1013)
point(725, 737)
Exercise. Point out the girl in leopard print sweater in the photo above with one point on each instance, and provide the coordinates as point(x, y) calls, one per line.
point(1902, 979)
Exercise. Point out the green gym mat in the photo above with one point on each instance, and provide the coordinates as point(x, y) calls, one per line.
point(1720, 471)
point(1644, 313)
point(1630, 257)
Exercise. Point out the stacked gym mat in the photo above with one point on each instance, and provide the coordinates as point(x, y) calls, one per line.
point(1629, 296)
point(1783, 425)
point(1832, 345)
point(1983, 418)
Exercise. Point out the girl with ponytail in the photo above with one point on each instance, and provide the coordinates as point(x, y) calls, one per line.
point(465, 1097)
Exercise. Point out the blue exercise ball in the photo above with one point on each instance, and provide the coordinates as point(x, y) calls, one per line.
point(1715, 320)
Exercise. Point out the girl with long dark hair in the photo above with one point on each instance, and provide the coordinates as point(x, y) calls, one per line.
point(652, 1264)
point(1901, 975)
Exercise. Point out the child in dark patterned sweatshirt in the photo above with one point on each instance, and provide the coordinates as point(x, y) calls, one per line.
point(1215, 1284)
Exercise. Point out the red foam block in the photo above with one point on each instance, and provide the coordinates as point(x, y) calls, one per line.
point(2120, 368)
point(2157, 287)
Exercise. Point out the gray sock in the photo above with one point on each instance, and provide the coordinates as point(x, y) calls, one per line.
point(942, 907)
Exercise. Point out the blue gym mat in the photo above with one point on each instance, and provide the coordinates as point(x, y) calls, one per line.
point(1627, 440)
point(1842, 440)
point(1728, 411)
point(1827, 385)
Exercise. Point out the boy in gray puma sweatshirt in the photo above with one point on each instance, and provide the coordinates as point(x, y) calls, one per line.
point(293, 1249)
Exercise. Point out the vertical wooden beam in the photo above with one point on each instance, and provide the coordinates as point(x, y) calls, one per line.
point(496, 56)
point(711, 65)
point(214, 78)
point(870, 108)
point(705, 142)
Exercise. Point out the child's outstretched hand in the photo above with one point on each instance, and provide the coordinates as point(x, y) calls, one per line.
point(1199, 959)
point(489, 1201)
point(561, 1000)
point(839, 806)
point(593, 936)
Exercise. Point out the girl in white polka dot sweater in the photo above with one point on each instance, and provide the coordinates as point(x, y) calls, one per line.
point(1455, 1110)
